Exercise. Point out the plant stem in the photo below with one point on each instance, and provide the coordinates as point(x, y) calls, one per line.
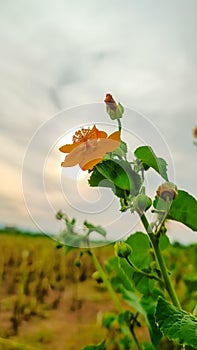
point(119, 125)
point(111, 291)
point(106, 281)
point(155, 243)
point(146, 274)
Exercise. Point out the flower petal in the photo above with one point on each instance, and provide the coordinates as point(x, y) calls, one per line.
point(107, 146)
point(74, 157)
point(102, 135)
point(90, 164)
point(115, 136)
point(69, 147)
point(99, 133)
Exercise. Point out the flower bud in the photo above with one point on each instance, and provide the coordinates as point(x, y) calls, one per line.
point(77, 263)
point(122, 249)
point(167, 191)
point(59, 215)
point(114, 110)
point(141, 203)
point(97, 277)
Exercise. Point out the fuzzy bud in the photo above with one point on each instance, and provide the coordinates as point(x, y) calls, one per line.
point(142, 203)
point(122, 249)
point(59, 215)
point(114, 110)
point(97, 277)
point(167, 191)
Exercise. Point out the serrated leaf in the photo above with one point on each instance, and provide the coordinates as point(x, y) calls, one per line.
point(177, 325)
point(184, 209)
point(100, 346)
point(146, 155)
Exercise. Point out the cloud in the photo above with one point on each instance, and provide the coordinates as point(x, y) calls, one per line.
point(62, 54)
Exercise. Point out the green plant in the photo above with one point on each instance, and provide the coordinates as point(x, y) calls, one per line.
point(138, 274)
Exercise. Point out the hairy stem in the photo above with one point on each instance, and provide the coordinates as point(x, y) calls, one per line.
point(155, 243)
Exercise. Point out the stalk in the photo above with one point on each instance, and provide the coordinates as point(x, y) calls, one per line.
point(106, 281)
point(155, 243)
point(119, 125)
point(111, 291)
point(146, 274)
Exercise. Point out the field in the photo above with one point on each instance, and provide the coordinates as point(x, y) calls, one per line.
point(47, 302)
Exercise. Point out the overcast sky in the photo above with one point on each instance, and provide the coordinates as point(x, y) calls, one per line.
point(58, 55)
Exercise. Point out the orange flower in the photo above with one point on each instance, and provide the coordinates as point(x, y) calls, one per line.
point(89, 147)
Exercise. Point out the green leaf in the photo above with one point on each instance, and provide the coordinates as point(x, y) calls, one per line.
point(177, 325)
point(120, 151)
point(123, 147)
point(146, 155)
point(120, 173)
point(132, 299)
point(164, 242)
point(67, 249)
point(70, 241)
point(108, 319)
point(148, 346)
point(98, 180)
point(100, 346)
point(120, 267)
point(149, 304)
point(140, 244)
point(92, 228)
point(191, 282)
point(184, 210)
point(143, 283)
point(117, 175)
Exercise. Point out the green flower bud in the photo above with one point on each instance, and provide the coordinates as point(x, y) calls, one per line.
point(142, 203)
point(59, 215)
point(114, 110)
point(97, 277)
point(122, 249)
point(77, 263)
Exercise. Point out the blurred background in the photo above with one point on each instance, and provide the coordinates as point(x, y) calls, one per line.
point(57, 55)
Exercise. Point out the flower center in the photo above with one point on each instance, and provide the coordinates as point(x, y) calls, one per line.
point(84, 135)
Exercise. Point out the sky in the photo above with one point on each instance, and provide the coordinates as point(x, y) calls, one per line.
point(57, 62)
